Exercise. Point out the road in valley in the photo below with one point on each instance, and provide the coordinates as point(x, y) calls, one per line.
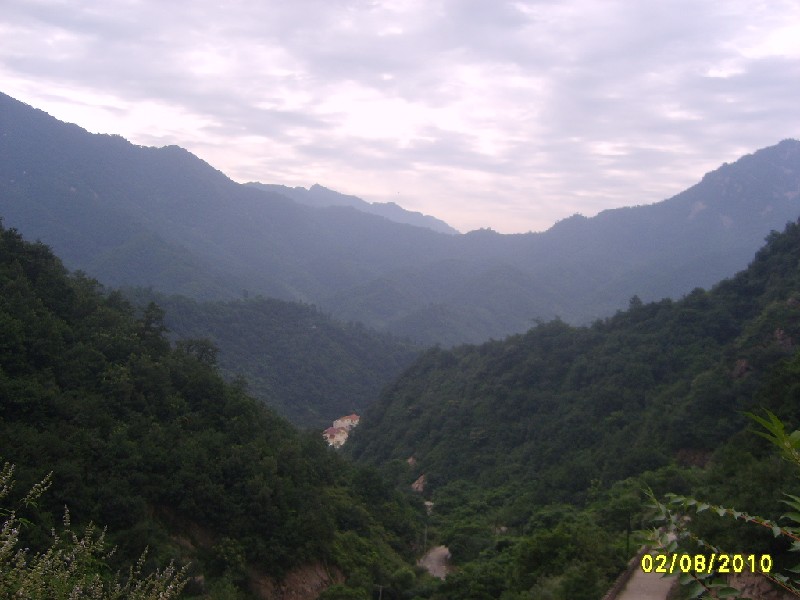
point(646, 586)
point(435, 561)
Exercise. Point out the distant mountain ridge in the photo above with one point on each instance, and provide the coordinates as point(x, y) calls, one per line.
point(161, 217)
point(320, 197)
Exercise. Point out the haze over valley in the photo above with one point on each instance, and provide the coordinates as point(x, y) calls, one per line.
point(134, 216)
point(174, 342)
point(399, 300)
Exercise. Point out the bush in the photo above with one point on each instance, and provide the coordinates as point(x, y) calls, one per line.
point(73, 566)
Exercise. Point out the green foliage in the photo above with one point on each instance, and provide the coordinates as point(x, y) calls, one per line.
point(554, 432)
point(305, 365)
point(73, 565)
point(343, 592)
point(150, 440)
point(775, 432)
point(564, 406)
point(573, 561)
point(677, 532)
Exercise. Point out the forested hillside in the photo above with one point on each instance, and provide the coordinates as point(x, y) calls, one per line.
point(148, 440)
point(611, 399)
point(305, 365)
point(529, 443)
point(161, 217)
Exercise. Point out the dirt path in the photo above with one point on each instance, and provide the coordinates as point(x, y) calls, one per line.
point(435, 561)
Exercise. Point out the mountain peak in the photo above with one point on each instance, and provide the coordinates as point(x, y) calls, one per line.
point(130, 215)
point(320, 196)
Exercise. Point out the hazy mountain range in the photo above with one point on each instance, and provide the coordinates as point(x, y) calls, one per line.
point(161, 217)
point(534, 450)
point(320, 197)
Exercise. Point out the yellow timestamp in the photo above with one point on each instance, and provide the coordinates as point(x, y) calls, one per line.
point(706, 563)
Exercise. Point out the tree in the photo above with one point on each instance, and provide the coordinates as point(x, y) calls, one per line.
point(152, 329)
point(202, 349)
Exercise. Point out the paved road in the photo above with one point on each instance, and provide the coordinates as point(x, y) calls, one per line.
point(646, 586)
point(641, 586)
point(435, 561)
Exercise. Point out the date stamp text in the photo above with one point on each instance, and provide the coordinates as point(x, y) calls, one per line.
point(706, 563)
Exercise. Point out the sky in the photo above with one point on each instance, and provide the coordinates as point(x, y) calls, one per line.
point(485, 113)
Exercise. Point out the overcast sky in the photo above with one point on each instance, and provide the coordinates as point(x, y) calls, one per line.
point(485, 113)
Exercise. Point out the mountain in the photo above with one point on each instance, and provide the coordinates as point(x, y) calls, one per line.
point(611, 399)
point(320, 196)
point(162, 217)
point(136, 216)
point(148, 440)
point(527, 444)
point(303, 364)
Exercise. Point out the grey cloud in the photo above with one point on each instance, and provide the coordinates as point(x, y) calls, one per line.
point(590, 104)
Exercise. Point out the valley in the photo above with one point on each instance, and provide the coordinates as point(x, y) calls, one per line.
point(173, 345)
point(160, 217)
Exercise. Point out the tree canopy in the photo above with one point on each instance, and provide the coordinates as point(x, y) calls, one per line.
point(148, 440)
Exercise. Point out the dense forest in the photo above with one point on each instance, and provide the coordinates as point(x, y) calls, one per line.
point(536, 449)
point(163, 417)
point(146, 438)
point(304, 364)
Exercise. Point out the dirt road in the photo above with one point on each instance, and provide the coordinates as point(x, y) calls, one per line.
point(435, 561)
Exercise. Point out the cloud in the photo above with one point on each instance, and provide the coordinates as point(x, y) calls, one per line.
point(509, 114)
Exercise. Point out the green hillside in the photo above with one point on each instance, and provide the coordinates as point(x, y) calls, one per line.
point(305, 365)
point(149, 441)
point(627, 393)
point(551, 435)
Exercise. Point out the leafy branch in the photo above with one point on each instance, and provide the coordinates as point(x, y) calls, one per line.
point(675, 523)
point(675, 532)
point(71, 566)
